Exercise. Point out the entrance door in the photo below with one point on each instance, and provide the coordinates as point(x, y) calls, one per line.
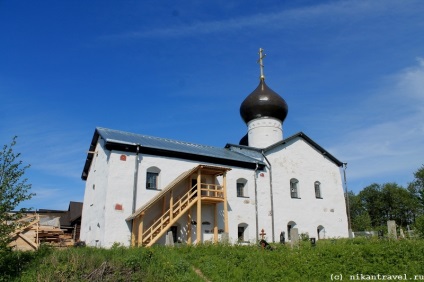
point(289, 227)
point(240, 233)
point(174, 230)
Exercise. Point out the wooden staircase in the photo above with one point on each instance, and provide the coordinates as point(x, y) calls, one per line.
point(162, 224)
point(151, 221)
point(210, 193)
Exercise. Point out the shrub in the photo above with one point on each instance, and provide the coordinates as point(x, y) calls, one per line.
point(419, 226)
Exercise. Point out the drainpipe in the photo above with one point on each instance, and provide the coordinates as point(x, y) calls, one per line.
point(135, 187)
point(135, 179)
point(347, 201)
point(256, 202)
point(271, 195)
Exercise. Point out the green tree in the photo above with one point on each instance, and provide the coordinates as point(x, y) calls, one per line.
point(372, 201)
point(382, 202)
point(419, 226)
point(360, 219)
point(14, 189)
point(362, 222)
point(400, 205)
point(419, 178)
point(416, 188)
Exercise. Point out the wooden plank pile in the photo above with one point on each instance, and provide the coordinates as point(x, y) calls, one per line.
point(30, 234)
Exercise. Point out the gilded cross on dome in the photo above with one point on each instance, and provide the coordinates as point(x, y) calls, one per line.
point(261, 64)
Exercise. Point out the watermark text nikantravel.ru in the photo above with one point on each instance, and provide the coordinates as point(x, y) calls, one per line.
point(376, 277)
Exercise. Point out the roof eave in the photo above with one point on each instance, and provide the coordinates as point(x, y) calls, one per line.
point(90, 155)
point(284, 141)
point(126, 147)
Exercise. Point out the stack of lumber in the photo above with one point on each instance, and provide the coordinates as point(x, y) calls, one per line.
point(49, 234)
point(66, 240)
point(30, 234)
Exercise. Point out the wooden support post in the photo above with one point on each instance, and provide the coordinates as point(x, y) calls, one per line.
point(140, 230)
point(134, 234)
point(199, 208)
point(74, 232)
point(215, 224)
point(189, 227)
point(37, 230)
point(224, 187)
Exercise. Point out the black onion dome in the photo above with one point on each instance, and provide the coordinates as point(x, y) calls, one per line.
point(263, 102)
point(244, 140)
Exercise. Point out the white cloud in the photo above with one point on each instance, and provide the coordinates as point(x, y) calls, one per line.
point(46, 193)
point(393, 142)
point(331, 12)
point(51, 198)
point(410, 82)
point(47, 144)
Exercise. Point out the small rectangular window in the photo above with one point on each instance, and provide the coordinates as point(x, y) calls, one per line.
point(152, 180)
point(240, 189)
point(293, 189)
point(317, 190)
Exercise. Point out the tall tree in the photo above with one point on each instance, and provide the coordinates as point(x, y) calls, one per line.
point(416, 188)
point(359, 216)
point(419, 226)
point(372, 201)
point(399, 204)
point(14, 189)
point(377, 203)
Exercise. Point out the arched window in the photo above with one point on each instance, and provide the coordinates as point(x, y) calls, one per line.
point(294, 188)
point(290, 226)
point(321, 232)
point(152, 178)
point(242, 187)
point(317, 186)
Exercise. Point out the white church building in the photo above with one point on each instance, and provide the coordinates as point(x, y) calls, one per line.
point(141, 189)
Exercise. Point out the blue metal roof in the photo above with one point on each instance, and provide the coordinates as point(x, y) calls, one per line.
point(122, 137)
point(126, 141)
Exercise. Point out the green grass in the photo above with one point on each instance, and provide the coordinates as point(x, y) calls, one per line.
point(219, 262)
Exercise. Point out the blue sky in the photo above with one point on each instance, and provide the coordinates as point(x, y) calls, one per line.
point(352, 73)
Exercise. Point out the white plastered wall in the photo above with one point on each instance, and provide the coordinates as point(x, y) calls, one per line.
point(241, 209)
point(298, 159)
point(103, 224)
point(264, 132)
point(93, 213)
point(110, 203)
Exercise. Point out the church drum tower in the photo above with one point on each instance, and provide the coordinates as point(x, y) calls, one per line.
point(264, 112)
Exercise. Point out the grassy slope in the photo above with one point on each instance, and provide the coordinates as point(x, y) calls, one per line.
point(223, 263)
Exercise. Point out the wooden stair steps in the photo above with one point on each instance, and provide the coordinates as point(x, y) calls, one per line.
point(159, 226)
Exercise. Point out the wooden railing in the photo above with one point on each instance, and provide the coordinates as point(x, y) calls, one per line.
point(212, 190)
point(161, 225)
point(178, 208)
